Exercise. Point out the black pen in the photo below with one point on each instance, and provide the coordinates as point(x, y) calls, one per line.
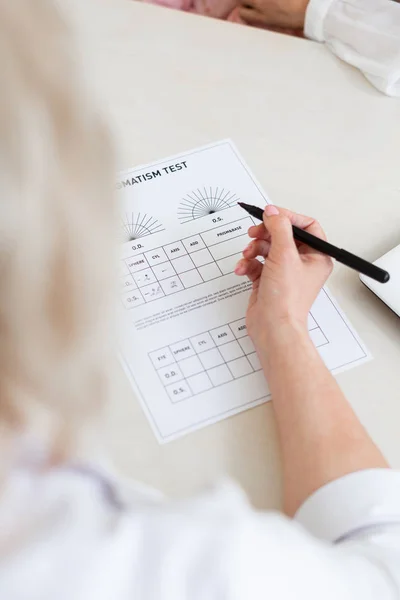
point(342, 256)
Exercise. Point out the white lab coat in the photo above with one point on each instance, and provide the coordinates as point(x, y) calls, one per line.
point(74, 533)
point(364, 33)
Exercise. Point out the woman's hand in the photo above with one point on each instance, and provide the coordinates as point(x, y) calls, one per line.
point(321, 438)
point(285, 287)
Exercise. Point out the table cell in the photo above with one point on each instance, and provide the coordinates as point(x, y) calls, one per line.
point(231, 351)
point(255, 361)
point(132, 299)
point(202, 342)
point(194, 243)
point(155, 257)
point(162, 357)
point(247, 345)
point(175, 250)
point(127, 283)
point(199, 383)
point(227, 265)
point(222, 335)
point(179, 391)
point(317, 337)
point(152, 292)
point(239, 328)
point(202, 257)
point(227, 232)
point(229, 247)
point(211, 271)
point(211, 358)
point(170, 374)
point(220, 375)
point(172, 285)
point(191, 366)
point(145, 277)
point(136, 263)
point(240, 367)
point(182, 264)
point(182, 350)
point(190, 278)
point(164, 271)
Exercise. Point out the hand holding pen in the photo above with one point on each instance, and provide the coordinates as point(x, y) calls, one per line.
point(315, 242)
point(286, 286)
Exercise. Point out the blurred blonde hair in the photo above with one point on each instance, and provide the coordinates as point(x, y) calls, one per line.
point(56, 228)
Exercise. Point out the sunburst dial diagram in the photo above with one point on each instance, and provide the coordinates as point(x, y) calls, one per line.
point(205, 201)
point(138, 225)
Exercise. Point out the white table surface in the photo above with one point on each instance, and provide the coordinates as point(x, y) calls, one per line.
point(320, 139)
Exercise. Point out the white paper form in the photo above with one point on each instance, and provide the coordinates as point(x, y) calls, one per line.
point(184, 341)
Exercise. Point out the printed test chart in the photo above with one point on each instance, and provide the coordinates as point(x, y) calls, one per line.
point(184, 343)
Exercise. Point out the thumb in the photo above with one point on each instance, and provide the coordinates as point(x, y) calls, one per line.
point(280, 229)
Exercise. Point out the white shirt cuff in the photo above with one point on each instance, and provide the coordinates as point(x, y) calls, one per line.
point(352, 504)
point(315, 17)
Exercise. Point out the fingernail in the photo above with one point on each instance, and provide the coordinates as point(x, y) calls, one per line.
point(240, 269)
point(248, 248)
point(271, 210)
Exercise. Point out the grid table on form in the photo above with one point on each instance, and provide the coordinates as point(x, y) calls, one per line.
point(169, 269)
point(212, 358)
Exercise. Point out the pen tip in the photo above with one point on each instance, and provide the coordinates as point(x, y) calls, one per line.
point(241, 204)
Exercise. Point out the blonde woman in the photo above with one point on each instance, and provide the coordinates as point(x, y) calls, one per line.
point(70, 532)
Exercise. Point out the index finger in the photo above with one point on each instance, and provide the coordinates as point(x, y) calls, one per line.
point(307, 223)
point(303, 222)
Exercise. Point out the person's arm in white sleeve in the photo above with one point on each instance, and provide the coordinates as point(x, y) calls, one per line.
point(320, 436)
point(217, 547)
point(364, 33)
